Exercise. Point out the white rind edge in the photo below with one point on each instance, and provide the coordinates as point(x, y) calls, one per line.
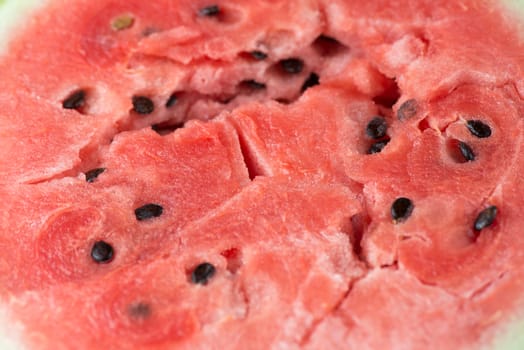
point(13, 12)
point(10, 332)
point(511, 336)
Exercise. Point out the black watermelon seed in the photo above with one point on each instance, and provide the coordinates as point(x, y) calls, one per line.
point(478, 128)
point(407, 110)
point(377, 147)
point(377, 128)
point(75, 101)
point(203, 273)
point(292, 65)
point(102, 252)
point(486, 218)
point(401, 209)
point(140, 310)
point(253, 84)
point(311, 81)
point(91, 175)
point(171, 101)
point(466, 151)
point(148, 211)
point(143, 105)
point(258, 55)
point(209, 11)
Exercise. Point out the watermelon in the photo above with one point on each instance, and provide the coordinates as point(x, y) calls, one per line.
point(261, 175)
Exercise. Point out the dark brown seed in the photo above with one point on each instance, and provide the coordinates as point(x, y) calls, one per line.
point(377, 147)
point(92, 175)
point(478, 128)
point(258, 55)
point(171, 101)
point(377, 127)
point(209, 11)
point(148, 211)
point(292, 65)
point(203, 273)
point(143, 105)
point(102, 252)
point(407, 110)
point(311, 81)
point(466, 151)
point(486, 218)
point(75, 100)
point(139, 310)
point(252, 84)
point(401, 209)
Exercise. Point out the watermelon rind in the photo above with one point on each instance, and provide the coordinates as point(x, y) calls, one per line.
point(512, 338)
point(10, 333)
point(12, 14)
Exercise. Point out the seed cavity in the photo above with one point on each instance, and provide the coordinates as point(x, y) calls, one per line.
point(234, 259)
point(209, 11)
point(166, 128)
point(486, 218)
point(283, 101)
point(401, 209)
point(172, 100)
point(466, 151)
point(478, 128)
point(122, 22)
point(328, 46)
point(377, 128)
point(407, 110)
point(75, 100)
point(203, 273)
point(251, 84)
point(311, 81)
point(93, 174)
point(139, 310)
point(390, 95)
point(143, 105)
point(378, 146)
point(149, 30)
point(258, 55)
point(292, 65)
point(102, 252)
point(148, 211)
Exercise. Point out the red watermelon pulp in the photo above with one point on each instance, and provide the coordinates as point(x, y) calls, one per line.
point(239, 174)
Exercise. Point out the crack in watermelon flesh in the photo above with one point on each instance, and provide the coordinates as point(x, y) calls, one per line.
point(244, 125)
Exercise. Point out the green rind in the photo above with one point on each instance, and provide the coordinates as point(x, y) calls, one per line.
point(517, 5)
point(511, 337)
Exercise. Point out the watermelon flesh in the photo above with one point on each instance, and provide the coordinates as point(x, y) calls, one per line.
point(246, 124)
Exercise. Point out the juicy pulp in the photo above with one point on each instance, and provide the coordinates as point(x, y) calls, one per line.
point(271, 185)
